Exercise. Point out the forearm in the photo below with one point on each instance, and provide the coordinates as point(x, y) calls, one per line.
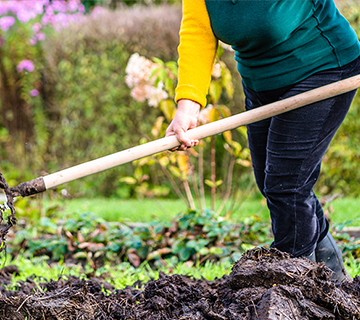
point(197, 52)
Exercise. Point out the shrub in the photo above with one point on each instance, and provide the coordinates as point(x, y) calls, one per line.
point(84, 109)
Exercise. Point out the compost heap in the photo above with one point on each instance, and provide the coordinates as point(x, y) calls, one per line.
point(263, 284)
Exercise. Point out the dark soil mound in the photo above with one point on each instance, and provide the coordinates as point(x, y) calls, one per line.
point(263, 284)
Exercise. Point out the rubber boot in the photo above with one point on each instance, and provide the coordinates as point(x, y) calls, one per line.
point(328, 252)
point(311, 257)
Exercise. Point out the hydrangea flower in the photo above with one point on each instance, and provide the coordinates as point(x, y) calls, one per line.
point(6, 23)
point(40, 36)
point(27, 65)
point(139, 70)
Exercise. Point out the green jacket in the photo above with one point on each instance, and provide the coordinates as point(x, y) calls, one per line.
point(276, 42)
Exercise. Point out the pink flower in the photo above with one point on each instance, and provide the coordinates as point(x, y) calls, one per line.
point(81, 8)
point(39, 6)
point(3, 8)
point(6, 23)
point(34, 92)
point(47, 18)
point(73, 5)
point(25, 15)
point(40, 36)
point(59, 6)
point(36, 27)
point(25, 65)
point(33, 41)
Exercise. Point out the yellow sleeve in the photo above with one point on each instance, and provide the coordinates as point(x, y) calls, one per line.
point(197, 52)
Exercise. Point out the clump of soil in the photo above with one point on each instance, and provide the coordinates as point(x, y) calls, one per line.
point(263, 284)
point(6, 224)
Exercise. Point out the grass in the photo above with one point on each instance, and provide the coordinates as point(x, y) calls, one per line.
point(120, 276)
point(346, 209)
point(145, 210)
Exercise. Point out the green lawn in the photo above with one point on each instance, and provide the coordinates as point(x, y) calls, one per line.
point(146, 210)
point(346, 209)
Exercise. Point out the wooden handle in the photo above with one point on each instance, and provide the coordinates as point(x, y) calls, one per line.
point(201, 132)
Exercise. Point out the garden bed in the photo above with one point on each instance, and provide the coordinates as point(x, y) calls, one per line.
point(263, 284)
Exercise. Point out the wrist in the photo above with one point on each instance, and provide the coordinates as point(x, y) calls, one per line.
point(188, 106)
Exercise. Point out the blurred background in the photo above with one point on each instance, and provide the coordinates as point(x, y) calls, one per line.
point(64, 99)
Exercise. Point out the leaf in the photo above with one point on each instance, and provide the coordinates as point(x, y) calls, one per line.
point(216, 251)
point(185, 254)
point(177, 246)
point(218, 183)
point(84, 245)
point(158, 61)
point(224, 111)
point(244, 163)
point(214, 115)
point(133, 257)
point(128, 180)
point(192, 244)
point(227, 136)
point(220, 51)
point(155, 131)
point(204, 251)
point(242, 130)
point(209, 183)
point(163, 161)
point(212, 184)
point(168, 108)
point(215, 90)
point(115, 247)
point(158, 253)
point(175, 171)
point(183, 164)
point(169, 86)
point(226, 80)
point(173, 67)
point(80, 255)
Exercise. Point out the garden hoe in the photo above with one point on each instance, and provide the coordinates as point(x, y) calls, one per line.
point(52, 180)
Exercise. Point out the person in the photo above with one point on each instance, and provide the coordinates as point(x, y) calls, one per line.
point(282, 48)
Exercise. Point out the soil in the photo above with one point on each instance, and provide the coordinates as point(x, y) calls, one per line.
point(263, 284)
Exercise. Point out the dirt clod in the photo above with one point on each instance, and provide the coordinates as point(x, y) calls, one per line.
point(11, 219)
point(263, 284)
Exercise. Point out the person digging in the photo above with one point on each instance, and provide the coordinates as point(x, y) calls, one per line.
point(282, 48)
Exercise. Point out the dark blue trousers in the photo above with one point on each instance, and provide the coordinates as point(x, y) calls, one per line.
point(286, 152)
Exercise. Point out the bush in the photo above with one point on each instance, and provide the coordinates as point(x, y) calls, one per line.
point(84, 110)
point(92, 112)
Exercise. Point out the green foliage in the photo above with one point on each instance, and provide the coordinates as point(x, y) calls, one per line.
point(92, 112)
point(196, 236)
point(41, 269)
point(191, 243)
point(85, 110)
point(340, 170)
point(17, 132)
